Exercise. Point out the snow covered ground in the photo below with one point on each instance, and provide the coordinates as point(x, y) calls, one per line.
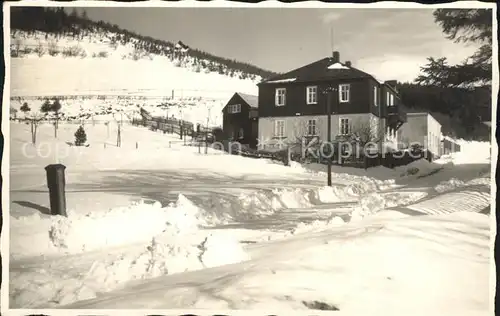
point(155, 224)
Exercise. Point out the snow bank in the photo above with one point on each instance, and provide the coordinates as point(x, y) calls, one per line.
point(379, 201)
point(153, 241)
point(420, 168)
point(317, 225)
point(121, 226)
point(257, 204)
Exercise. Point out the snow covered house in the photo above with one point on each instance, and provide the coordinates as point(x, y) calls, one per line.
point(294, 105)
point(240, 119)
point(423, 129)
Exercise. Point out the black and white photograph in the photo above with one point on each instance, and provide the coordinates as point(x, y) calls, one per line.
point(271, 158)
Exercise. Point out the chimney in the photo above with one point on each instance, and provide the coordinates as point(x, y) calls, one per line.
point(348, 63)
point(336, 57)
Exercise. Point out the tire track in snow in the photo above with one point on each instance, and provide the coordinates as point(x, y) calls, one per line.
point(472, 201)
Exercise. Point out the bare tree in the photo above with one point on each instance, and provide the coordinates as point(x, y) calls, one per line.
point(34, 118)
point(306, 138)
point(209, 107)
point(364, 138)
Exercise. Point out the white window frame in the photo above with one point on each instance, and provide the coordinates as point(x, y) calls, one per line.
point(341, 86)
point(279, 133)
point(313, 127)
point(277, 97)
point(390, 99)
point(234, 108)
point(312, 95)
point(341, 131)
point(375, 95)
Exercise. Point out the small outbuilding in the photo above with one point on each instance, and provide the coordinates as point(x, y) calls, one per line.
point(240, 121)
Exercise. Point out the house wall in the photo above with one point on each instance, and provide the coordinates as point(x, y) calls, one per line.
point(296, 127)
point(360, 99)
point(233, 122)
point(423, 129)
point(433, 135)
point(414, 131)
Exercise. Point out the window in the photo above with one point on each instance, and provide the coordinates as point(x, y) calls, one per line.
point(344, 126)
point(241, 133)
point(279, 128)
point(311, 128)
point(390, 99)
point(234, 108)
point(312, 95)
point(280, 97)
point(375, 96)
point(344, 92)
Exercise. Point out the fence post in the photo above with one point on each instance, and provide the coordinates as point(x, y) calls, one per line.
point(56, 184)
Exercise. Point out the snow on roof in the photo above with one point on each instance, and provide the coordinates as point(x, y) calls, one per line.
point(251, 100)
point(337, 66)
point(378, 80)
point(283, 80)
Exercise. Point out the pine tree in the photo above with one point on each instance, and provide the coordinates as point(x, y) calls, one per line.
point(25, 107)
point(46, 106)
point(80, 136)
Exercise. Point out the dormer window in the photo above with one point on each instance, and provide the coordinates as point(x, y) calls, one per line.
point(280, 97)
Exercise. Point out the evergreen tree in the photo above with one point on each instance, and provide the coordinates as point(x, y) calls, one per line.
point(80, 136)
point(46, 106)
point(25, 107)
point(465, 26)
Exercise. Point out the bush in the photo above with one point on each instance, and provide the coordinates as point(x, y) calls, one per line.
point(40, 50)
point(53, 50)
point(72, 51)
point(102, 54)
point(80, 136)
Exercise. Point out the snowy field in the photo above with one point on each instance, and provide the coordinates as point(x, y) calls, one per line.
point(155, 224)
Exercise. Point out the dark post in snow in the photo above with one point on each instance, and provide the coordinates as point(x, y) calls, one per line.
point(56, 183)
point(329, 133)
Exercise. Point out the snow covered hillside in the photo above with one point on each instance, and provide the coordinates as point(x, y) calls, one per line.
point(94, 72)
point(155, 224)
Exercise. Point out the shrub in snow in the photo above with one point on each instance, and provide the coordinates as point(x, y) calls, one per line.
point(72, 51)
point(40, 50)
point(80, 136)
point(52, 49)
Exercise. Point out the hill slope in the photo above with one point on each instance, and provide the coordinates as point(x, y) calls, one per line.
point(100, 69)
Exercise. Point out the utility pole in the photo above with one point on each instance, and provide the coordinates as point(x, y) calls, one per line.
point(329, 133)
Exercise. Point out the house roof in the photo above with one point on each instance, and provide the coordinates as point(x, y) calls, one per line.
point(323, 69)
point(251, 100)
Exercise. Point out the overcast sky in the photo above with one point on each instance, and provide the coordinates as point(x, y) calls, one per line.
point(388, 43)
